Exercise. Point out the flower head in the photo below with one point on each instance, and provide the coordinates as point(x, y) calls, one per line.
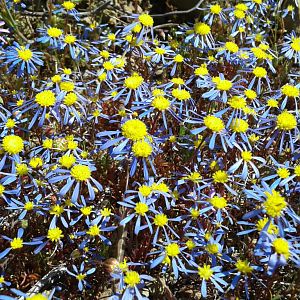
point(220, 176)
point(141, 208)
point(80, 172)
point(213, 123)
point(286, 121)
point(54, 234)
point(12, 144)
point(45, 98)
point(141, 149)
point(132, 278)
point(172, 249)
point(274, 204)
point(243, 266)
point(146, 20)
point(202, 28)
point(134, 130)
point(281, 246)
point(133, 82)
point(205, 272)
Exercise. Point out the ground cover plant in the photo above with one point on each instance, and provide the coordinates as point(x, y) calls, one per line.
point(149, 156)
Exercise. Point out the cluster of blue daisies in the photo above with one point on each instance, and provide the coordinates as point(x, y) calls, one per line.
point(149, 156)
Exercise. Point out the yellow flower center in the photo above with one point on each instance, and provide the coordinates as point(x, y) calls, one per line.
point(281, 246)
point(54, 32)
point(105, 212)
point(80, 276)
point(47, 144)
point(141, 208)
point(274, 204)
point(146, 20)
point(93, 230)
point(67, 86)
point(141, 149)
point(67, 160)
point(290, 90)
point(215, 9)
point(246, 155)
point(10, 123)
point(111, 37)
point(237, 102)
point(202, 28)
point(81, 172)
point(220, 177)
point(56, 210)
point(20, 102)
point(134, 130)
point(250, 94)
point(272, 103)
point(70, 39)
point(190, 244)
point(286, 121)
point(161, 103)
point(297, 171)
point(195, 213)
point(162, 187)
point(212, 248)
point(243, 266)
point(283, 173)
point(239, 125)
point(295, 45)
point(272, 229)
point(68, 5)
point(145, 190)
point(132, 278)
point(239, 14)
point(2, 189)
point(21, 169)
point(24, 54)
point(177, 81)
point(259, 72)
point(12, 144)
point(54, 234)
point(86, 210)
point(231, 47)
point(28, 206)
point(181, 94)
point(159, 50)
point(70, 99)
point(213, 123)
point(202, 70)
point(178, 58)
point(160, 220)
point(218, 202)
point(37, 297)
point(242, 6)
point(133, 82)
point(172, 250)
point(205, 272)
point(194, 176)
point(56, 78)
point(36, 162)
point(108, 66)
point(45, 98)
point(259, 53)
point(222, 84)
point(16, 243)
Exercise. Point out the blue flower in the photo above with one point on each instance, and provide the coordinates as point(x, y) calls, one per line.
point(81, 274)
point(22, 57)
